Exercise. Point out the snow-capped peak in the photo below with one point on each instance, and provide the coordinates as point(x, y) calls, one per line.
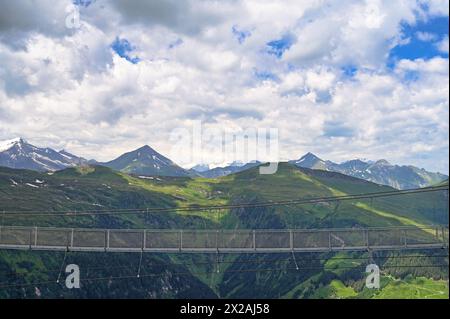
point(6, 145)
point(19, 154)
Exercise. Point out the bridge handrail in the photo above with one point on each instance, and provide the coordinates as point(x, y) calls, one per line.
point(403, 227)
point(229, 240)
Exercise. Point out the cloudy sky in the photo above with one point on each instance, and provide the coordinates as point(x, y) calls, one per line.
point(342, 79)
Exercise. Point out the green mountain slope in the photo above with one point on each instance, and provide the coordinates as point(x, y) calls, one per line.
point(100, 188)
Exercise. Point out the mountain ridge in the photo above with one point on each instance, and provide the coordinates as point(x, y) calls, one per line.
point(146, 161)
point(18, 153)
point(380, 171)
point(233, 168)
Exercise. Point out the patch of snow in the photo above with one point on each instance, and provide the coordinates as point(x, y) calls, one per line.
point(31, 185)
point(66, 156)
point(146, 177)
point(164, 162)
point(45, 158)
point(13, 181)
point(6, 145)
point(39, 181)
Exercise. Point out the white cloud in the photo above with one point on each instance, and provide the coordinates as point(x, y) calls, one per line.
point(435, 65)
point(436, 7)
point(443, 45)
point(426, 36)
point(68, 89)
point(20, 18)
point(358, 33)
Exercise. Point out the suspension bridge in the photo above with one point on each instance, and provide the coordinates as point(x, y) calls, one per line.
point(224, 241)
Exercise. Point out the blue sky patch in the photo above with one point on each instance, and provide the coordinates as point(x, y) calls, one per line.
point(278, 47)
point(123, 47)
point(349, 70)
point(436, 29)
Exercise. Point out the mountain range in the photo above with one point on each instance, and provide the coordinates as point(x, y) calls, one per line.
point(233, 168)
point(18, 153)
point(380, 172)
point(145, 161)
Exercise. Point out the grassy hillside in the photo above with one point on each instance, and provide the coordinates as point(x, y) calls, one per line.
point(100, 188)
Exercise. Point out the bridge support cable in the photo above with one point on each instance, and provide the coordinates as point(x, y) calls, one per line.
point(197, 208)
point(269, 270)
point(431, 265)
point(217, 252)
point(295, 261)
point(218, 263)
point(140, 264)
point(106, 266)
point(62, 266)
point(69, 243)
point(144, 240)
point(291, 245)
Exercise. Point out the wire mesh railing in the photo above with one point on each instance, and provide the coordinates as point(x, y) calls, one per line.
point(271, 240)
